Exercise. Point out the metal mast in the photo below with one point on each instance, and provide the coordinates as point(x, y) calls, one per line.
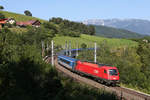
point(95, 53)
point(52, 43)
point(69, 48)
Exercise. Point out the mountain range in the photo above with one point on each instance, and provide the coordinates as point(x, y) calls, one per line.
point(111, 32)
point(135, 25)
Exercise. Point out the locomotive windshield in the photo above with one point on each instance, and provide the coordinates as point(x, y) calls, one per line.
point(113, 72)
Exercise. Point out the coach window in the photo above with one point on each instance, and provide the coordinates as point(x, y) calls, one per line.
point(65, 61)
point(105, 71)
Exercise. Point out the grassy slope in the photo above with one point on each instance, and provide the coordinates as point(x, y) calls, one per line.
point(115, 33)
point(19, 17)
point(89, 40)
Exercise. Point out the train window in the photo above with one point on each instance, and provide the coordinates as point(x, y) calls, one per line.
point(65, 61)
point(113, 72)
point(105, 71)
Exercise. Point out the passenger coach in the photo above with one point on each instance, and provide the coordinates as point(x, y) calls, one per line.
point(67, 62)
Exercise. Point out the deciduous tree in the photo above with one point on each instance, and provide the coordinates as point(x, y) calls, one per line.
point(27, 13)
point(2, 16)
point(1, 7)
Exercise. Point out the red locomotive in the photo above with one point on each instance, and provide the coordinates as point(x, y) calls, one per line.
point(101, 72)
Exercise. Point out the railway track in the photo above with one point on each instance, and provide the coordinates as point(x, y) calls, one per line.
point(122, 92)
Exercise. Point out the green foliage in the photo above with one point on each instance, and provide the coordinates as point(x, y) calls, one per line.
point(27, 13)
point(74, 29)
point(78, 91)
point(1, 7)
point(83, 45)
point(144, 52)
point(18, 30)
point(142, 40)
point(51, 28)
point(2, 16)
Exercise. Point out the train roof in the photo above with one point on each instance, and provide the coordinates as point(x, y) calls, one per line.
point(62, 52)
point(67, 58)
point(96, 63)
point(88, 63)
point(82, 49)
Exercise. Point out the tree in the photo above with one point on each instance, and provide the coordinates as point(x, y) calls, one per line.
point(56, 20)
point(83, 45)
point(91, 30)
point(27, 13)
point(1, 7)
point(2, 16)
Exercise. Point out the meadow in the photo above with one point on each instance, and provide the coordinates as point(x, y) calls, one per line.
point(90, 40)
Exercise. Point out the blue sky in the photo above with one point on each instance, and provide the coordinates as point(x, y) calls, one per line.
point(78, 10)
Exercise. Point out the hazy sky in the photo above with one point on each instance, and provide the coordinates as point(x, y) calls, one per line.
point(78, 10)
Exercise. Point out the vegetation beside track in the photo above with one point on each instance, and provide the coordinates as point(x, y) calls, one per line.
point(132, 62)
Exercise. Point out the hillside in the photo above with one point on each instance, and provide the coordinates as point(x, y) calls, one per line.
point(135, 25)
point(89, 40)
point(19, 17)
point(115, 33)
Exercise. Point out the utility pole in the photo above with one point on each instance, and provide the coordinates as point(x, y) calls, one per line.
point(95, 53)
point(52, 43)
point(77, 51)
point(69, 48)
point(66, 48)
point(47, 47)
point(43, 49)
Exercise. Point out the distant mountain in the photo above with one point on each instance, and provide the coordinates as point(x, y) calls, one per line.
point(134, 25)
point(115, 33)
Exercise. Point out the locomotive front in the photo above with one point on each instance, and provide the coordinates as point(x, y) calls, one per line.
point(113, 75)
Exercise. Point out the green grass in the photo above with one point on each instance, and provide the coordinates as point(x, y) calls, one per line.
point(18, 30)
point(89, 40)
point(20, 17)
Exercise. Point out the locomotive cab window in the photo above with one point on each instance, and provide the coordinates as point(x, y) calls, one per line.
point(113, 72)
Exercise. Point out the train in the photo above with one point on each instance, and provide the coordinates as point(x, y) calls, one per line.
point(102, 73)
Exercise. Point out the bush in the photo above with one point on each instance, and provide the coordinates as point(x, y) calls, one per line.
point(83, 45)
point(2, 16)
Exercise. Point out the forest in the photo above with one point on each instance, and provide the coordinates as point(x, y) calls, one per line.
point(70, 28)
